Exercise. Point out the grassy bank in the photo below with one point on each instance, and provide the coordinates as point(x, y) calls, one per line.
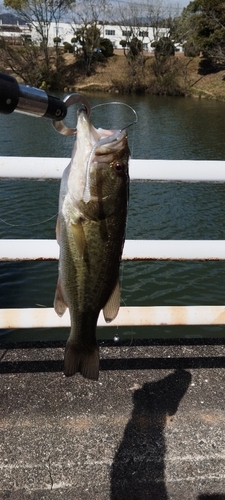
point(114, 75)
point(177, 76)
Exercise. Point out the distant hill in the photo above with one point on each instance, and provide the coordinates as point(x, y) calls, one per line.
point(7, 18)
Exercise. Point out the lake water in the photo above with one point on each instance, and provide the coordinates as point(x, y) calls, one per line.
point(168, 128)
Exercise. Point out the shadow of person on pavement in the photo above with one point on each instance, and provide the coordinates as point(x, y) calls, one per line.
point(138, 469)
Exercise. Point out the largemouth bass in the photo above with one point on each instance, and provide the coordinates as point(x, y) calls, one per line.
point(90, 231)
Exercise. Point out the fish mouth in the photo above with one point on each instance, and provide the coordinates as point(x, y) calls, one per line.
point(102, 140)
point(101, 145)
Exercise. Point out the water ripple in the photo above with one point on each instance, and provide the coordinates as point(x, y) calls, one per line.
point(168, 128)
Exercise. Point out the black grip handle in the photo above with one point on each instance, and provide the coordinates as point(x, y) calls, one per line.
point(9, 94)
point(29, 100)
point(57, 109)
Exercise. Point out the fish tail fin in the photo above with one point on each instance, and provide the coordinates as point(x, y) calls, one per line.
point(83, 359)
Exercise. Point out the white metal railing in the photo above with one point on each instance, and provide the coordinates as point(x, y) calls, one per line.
point(11, 250)
point(155, 170)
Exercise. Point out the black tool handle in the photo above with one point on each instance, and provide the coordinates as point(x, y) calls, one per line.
point(29, 100)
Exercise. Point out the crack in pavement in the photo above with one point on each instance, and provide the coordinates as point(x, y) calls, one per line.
point(50, 473)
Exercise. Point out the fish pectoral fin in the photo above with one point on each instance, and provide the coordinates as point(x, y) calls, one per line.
point(59, 303)
point(79, 236)
point(111, 308)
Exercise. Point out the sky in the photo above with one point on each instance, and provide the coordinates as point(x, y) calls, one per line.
point(180, 3)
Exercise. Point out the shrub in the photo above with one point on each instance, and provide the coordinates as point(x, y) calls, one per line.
point(190, 49)
point(106, 47)
point(68, 47)
point(164, 47)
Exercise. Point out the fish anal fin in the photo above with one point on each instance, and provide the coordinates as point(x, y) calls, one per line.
point(79, 236)
point(83, 359)
point(58, 230)
point(59, 302)
point(111, 308)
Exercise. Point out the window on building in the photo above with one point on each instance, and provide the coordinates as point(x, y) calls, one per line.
point(143, 33)
point(45, 31)
point(126, 33)
point(58, 31)
point(110, 32)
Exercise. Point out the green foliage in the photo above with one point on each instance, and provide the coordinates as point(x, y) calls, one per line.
point(202, 27)
point(57, 40)
point(2, 42)
point(40, 5)
point(164, 47)
point(68, 47)
point(136, 47)
point(123, 43)
point(166, 81)
point(190, 49)
point(16, 4)
point(106, 47)
point(46, 66)
point(165, 68)
point(25, 61)
point(88, 36)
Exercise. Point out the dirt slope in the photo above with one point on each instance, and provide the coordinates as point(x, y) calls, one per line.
point(210, 86)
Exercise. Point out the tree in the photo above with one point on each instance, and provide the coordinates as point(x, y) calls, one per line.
point(68, 47)
point(191, 49)
point(131, 16)
point(89, 12)
point(123, 44)
point(39, 14)
point(106, 47)
point(164, 48)
point(24, 61)
point(136, 47)
point(202, 26)
point(87, 15)
point(136, 19)
point(57, 40)
point(88, 38)
point(166, 68)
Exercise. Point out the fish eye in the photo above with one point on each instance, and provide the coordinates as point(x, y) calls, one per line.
point(118, 166)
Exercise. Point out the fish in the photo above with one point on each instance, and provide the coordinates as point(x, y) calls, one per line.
point(90, 231)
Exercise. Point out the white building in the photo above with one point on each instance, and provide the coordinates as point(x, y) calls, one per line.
point(14, 33)
point(145, 34)
point(115, 33)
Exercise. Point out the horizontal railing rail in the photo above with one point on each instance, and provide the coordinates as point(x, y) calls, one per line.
point(44, 249)
point(12, 250)
point(153, 170)
point(127, 316)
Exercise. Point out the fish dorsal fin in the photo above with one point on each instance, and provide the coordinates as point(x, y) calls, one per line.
point(59, 302)
point(79, 236)
point(111, 308)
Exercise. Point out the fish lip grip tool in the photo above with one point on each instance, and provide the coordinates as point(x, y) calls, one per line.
point(29, 100)
point(36, 102)
point(69, 101)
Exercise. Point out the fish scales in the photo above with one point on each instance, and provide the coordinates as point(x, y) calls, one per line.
point(91, 237)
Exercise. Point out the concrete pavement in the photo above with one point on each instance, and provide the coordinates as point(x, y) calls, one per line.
point(151, 428)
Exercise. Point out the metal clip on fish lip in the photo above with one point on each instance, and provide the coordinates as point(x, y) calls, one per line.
point(69, 101)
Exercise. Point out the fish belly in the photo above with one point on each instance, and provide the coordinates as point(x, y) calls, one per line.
point(90, 253)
